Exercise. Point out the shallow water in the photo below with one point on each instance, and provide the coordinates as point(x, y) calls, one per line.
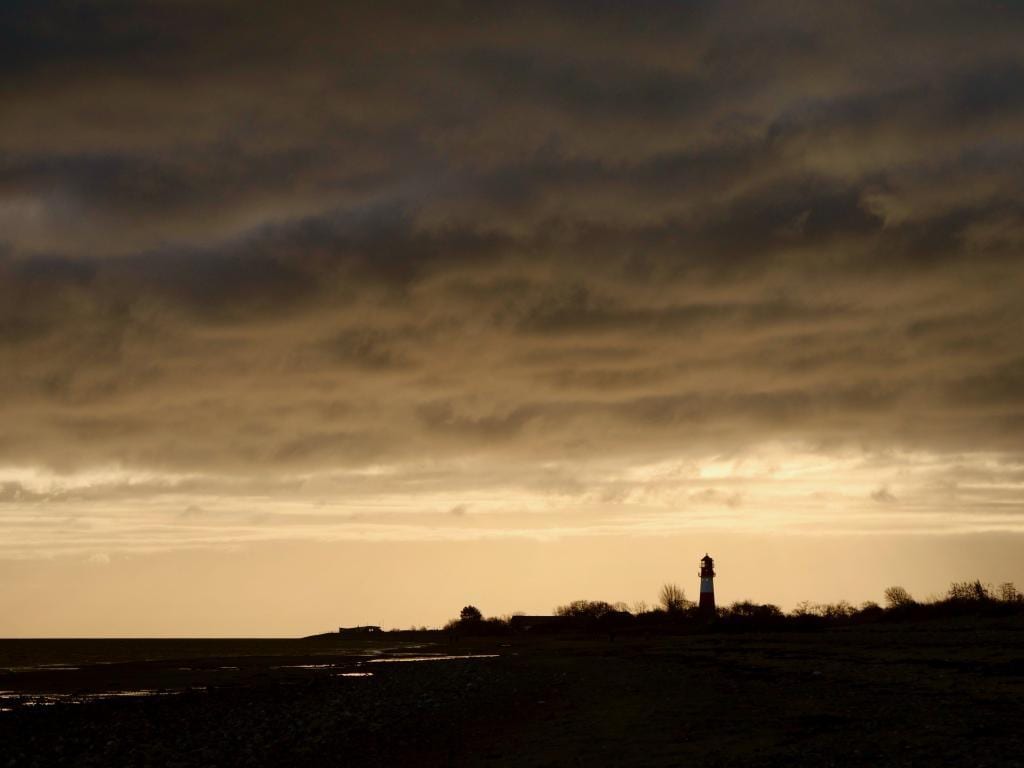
point(396, 659)
point(12, 701)
point(47, 672)
point(304, 666)
point(65, 654)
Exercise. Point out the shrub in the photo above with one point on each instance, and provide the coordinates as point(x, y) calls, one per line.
point(840, 610)
point(968, 591)
point(805, 608)
point(470, 614)
point(585, 609)
point(753, 613)
point(1008, 593)
point(869, 611)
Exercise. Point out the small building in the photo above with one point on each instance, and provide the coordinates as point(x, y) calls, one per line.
point(369, 629)
point(537, 623)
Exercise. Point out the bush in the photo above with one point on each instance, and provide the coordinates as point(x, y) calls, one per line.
point(1009, 594)
point(585, 609)
point(840, 610)
point(747, 614)
point(832, 611)
point(470, 614)
point(806, 608)
point(968, 592)
point(748, 609)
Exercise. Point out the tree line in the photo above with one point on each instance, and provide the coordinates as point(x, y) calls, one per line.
point(674, 611)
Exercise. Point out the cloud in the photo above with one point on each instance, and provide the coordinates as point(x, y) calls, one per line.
point(883, 496)
point(294, 245)
point(15, 493)
point(716, 496)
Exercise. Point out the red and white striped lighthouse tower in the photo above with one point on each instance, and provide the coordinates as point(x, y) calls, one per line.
point(707, 584)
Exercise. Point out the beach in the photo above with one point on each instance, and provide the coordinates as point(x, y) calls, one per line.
point(947, 692)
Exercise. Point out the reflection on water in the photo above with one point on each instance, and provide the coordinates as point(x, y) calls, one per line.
point(12, 700)
point(304, 666)
point(396, 659)
point(19, 700)
point(121, 694)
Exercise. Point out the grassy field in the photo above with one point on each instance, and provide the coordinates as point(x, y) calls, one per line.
point(925, 693)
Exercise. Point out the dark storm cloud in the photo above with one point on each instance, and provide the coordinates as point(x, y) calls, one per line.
point(242, 235)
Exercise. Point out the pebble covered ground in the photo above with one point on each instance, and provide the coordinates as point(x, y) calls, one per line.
point(936, 693)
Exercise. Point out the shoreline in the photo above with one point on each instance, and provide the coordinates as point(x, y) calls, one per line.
point(856, 696)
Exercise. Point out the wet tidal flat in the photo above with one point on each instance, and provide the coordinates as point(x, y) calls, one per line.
point(930, 693)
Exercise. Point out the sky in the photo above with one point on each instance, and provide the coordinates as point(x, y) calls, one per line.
point(318, 314)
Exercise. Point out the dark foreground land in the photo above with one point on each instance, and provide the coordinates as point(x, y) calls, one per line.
point(930, 693)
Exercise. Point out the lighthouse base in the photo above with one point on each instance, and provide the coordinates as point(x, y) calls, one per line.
point(707, 595)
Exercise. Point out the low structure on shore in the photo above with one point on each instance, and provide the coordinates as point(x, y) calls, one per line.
point(369, 629)
point(537, 623)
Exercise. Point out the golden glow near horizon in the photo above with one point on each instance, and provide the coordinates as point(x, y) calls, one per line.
point(772, 488)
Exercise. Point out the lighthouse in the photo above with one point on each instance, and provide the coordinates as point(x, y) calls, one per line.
point(707, 584)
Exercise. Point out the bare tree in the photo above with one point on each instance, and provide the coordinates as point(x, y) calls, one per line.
point(897, 597)
point(969, 591)
point(1008, 593)
point(672, 598)
point(806, 608)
